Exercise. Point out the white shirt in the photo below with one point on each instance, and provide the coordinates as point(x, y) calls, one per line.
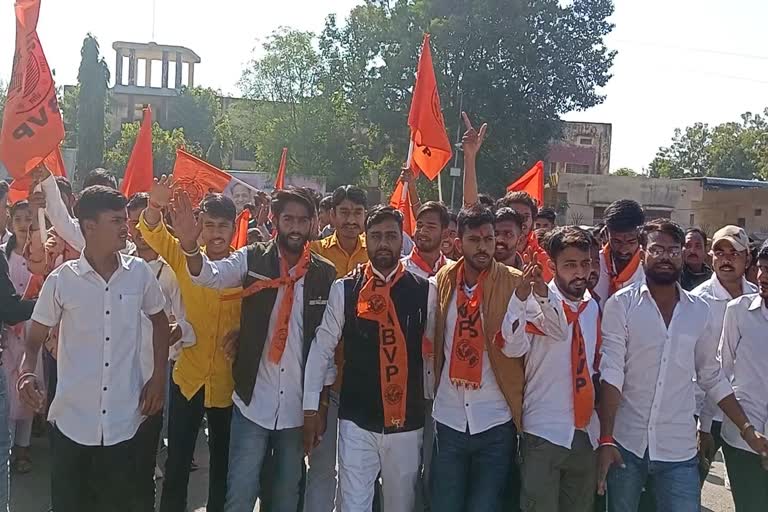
point(714, 294)
point(603, 286)
point(4, 236)
point(277, 392)
point(548, 400)
point(99, 370)
point(745, 363)
point(653, 366)
point(413, 268)
point(477, 409)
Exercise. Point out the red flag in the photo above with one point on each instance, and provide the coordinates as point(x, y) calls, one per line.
point(197, 177)
point(531, 182)
point(32, 125)
point(431, 148)
point(401, 199)
point(240, 238)
point(280, 179)
point(19, 189)
point(139, 173)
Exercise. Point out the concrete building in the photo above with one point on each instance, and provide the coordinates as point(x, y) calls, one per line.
point(584, 148)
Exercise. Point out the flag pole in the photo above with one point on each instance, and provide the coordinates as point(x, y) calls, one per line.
point(408, 165)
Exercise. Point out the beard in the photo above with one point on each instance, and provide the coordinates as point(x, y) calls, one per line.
point(428, 246)
point(384, 260)
point(573, 289)
point(291, 245)
point(663, 278)
point(479, 266)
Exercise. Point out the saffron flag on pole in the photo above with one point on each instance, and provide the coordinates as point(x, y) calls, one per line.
point(280, 179)
point(20, 188)
point(139, 173)
point(197, 177)
point(32, 125)
point(240, 238)
point(431, 149)
point(401, 199)
point(532, 182)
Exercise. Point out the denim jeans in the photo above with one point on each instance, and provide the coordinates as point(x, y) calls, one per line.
point(675, 484)
point(248, 447)
point(5, 444)
point(470, 472)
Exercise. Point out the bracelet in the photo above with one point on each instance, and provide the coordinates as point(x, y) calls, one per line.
point(310, 414)
point(23, 376)
point(745, 427)
point(606, 441)
point(192, 253)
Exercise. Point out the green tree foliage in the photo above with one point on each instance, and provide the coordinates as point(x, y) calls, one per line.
point(729, 150)
point(625, 171)
point(199, 113)
point(93, 79)
point(69, 99)
point(164, 146)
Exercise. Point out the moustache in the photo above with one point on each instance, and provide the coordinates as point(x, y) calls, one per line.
point(726, 267)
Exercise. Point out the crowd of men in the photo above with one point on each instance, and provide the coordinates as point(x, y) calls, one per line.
point(492, 362)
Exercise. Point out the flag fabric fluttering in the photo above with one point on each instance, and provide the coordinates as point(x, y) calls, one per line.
point(197, 177)
point(532, 182)
point(32, 124)
point(280, 179)
point(139, 173)
point(431, 149)
point(401, 199)
point(20, 187)
point(240, 238)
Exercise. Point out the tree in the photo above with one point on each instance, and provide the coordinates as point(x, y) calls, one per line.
point(68, 99)
point(93, 79)
point(199, 113)
point(625, 171)
point(164, 146)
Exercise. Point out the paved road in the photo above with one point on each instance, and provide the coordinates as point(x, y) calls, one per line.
point(30, 493)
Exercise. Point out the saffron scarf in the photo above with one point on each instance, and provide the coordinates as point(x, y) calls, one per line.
point(423, 265)
point(583, 389)
point(466, 369)
point(617, 281)
point(375, 303)
point(280, 330)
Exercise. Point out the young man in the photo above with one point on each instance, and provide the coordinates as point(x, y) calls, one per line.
point(283, 282)
point(324, 217)
point(448, 244)
point(426, 258)
point(525, 205)
point(560, 423)
point(730, 257)
point(620, 258)
point(479, 393)
point(656, 329)
point(202, 377)
point(594, 273)
point(101, 396)
point(381, 313)
point(745, 363)
point(695, 268)
point(509, 227)
point(545, 219)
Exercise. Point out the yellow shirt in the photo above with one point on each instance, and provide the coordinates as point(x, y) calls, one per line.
point(330, 249)
point(202, 364)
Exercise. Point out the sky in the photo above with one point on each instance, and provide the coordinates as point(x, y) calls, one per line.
point(679, 61)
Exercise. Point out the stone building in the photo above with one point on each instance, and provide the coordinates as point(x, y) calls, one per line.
point(584, 148)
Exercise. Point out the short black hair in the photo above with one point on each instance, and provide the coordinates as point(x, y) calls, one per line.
point(351, 192)
point(100, 176)
point(438, 208)
point(547, 213)
point(300, 195)
point(326, 203)
point(139, 200)
point(594, 234)
point(754, 252)
point(623, 216)
point(473, 217)
point(762, 253)
point(4, 187)
point(452, 217)
point(665, 226)
point(699, 232)
point(519, 197)
point(97, 199)
point(561, 238)
point(65, 187)
point(505, 213)
point(485, 200)
point(219, 206)
point(380, 213)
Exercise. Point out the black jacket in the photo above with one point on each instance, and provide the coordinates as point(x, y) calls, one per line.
point(13, 309)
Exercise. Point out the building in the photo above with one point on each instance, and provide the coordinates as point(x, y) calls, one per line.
point(584, 148)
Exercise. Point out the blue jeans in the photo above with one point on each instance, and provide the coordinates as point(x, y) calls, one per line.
point(248, 443)
point(675, 484)
point(5, 444)
point(470, 472)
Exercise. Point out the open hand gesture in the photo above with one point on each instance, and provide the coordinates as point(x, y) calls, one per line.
point(161, 192)
point(532, 277)
point(186, 226)
point(473, 139)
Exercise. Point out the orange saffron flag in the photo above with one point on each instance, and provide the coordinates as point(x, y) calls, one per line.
point(32, 125)
point(532, 182)
point(197, 177)
point(280, 179)
point(240, 238)
point(20, 188)
point(139, 173)
point(431, 148)
point(401, 199)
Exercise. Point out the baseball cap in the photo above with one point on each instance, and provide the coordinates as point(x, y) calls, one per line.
point(735, 235)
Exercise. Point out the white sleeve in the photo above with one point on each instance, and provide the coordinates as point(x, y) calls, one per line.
point(66, 227)
point(429, 341)
point(709, 374)
point(170, 285)
point(517, 342)
point(153, 299)
point(614, 348)
point(324, 346)
point(48, 307)
point(547, 315)
point(227, 273)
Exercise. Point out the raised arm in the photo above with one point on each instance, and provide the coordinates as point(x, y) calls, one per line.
point(471, 143)
point(66, 227)
point(153, 228)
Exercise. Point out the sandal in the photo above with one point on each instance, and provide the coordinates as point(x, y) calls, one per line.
point(22, 465)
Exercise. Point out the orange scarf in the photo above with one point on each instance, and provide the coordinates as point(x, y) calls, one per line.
point(533, 243)
point(583, 389)
point(618, 281)
point(280, 330)
point(423, 265)
point(466, 368)
point(375, 303)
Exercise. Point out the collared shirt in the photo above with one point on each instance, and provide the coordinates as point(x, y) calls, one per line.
point(4, 236)
point(745, 363)
point(278, 387)
point(548, 400)
point(330, 249)
point(475, 409)
point(714, 294)
point(603, 286)
point(412, 267)
point(203, 364)
point(99, 370)
point(690, 279)
point(653, 366)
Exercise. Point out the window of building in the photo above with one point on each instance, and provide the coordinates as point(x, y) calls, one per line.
point(577, 169)
point(758, 212)
point(597, 214)
point(586, 141)
point(741, 222)
point(691, 221)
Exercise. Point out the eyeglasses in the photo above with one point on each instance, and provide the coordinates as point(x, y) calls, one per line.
point(657, 251)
